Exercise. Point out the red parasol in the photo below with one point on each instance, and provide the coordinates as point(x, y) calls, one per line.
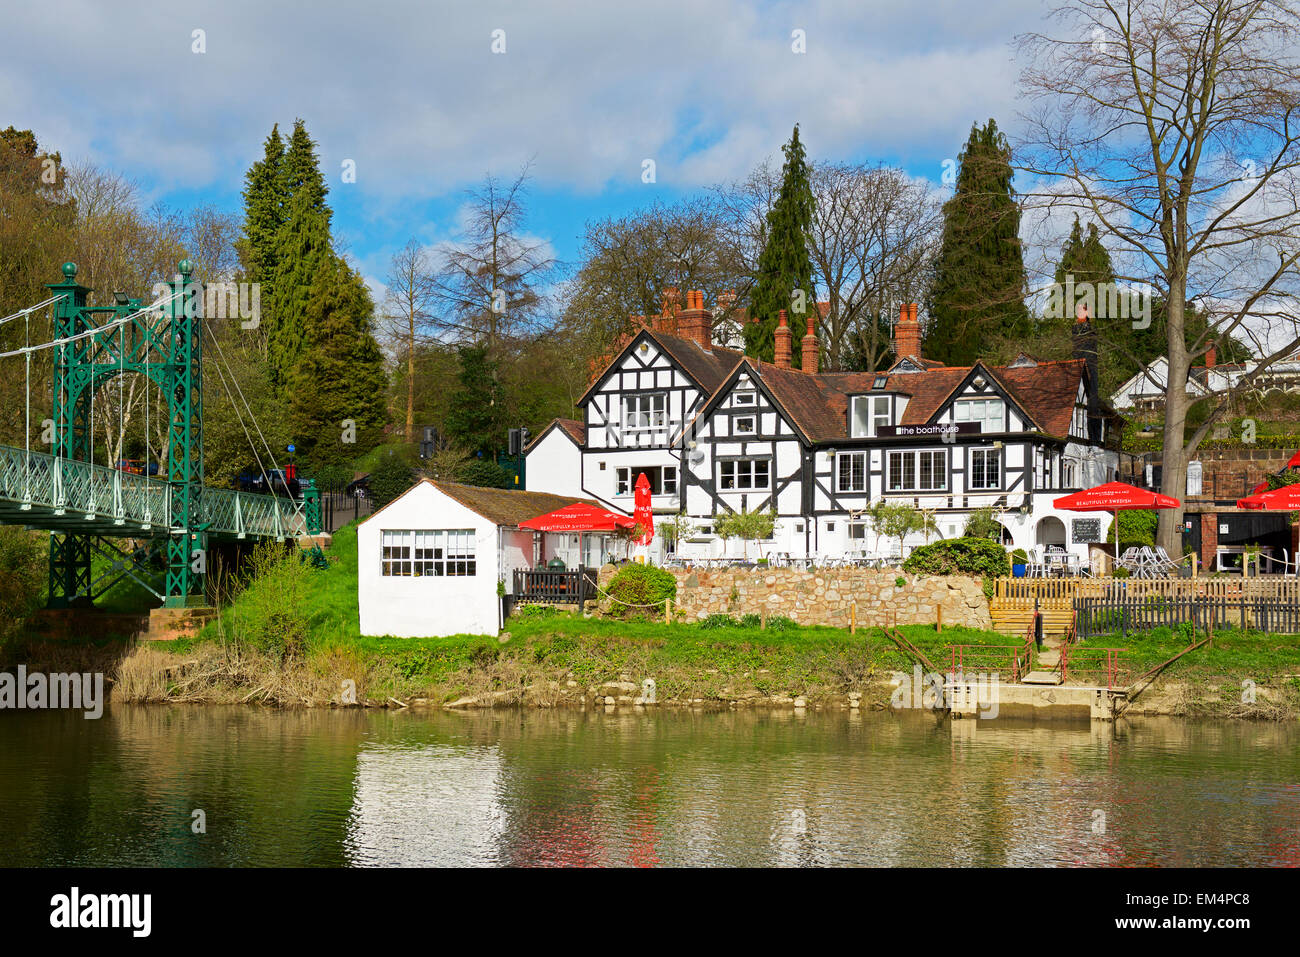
point(579, 517)
point(643, 511)
point(1285, 499)
point(1114, 497)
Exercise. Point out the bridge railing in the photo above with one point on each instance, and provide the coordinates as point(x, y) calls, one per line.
point(71, 487)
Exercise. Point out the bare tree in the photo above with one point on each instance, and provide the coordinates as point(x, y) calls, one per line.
point(874, 235)
point(873, 242)
point(628, 262)
point(490, 284)
point(1171, 124)
point(407, 317)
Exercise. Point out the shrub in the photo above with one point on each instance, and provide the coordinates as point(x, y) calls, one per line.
point(483, 473)
point(780, 623)
point(983, 523)
point(389, 479)
point(1019, 557)
point(641, 589)
point(959, 556)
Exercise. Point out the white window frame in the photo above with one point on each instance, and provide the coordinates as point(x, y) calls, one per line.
point(753, 424)
point(746, 398)
point(984, 454)
point(879, 411)
point(744, 470)
point(963, 410)
point(909, 465)
point(642, 405)
point(623, 487)
point(428, 553)
point(839, 472)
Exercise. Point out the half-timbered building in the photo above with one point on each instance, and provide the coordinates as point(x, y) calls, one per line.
point(716, 431)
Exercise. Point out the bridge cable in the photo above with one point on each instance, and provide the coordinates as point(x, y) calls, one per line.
point(24, 313)
point(297, 508)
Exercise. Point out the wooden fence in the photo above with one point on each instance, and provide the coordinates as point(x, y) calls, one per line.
point(1118, 614)
point(554, 587)
point(1049, 593)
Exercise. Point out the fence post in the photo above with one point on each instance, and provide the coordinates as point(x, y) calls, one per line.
point(668, 610)
point(853, 618)
point(938, 619)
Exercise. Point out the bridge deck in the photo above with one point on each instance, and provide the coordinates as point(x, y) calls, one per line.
point(62, 495)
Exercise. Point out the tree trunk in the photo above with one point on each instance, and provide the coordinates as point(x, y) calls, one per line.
point(1173, 481)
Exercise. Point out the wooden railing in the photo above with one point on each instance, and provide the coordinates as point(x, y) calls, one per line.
point(554, 587)
point(1061, 593)
point(1121, 615)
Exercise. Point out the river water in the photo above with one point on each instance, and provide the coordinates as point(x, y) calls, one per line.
point(385, 788)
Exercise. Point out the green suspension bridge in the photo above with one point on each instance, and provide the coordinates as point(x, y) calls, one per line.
point(80, 503)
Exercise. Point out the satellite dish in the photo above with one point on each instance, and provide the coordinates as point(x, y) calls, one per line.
point(696, 456)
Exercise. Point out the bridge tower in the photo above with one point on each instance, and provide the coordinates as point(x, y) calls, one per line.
point(168, 351)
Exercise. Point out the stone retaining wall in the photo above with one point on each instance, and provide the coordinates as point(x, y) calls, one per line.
point(825, 596)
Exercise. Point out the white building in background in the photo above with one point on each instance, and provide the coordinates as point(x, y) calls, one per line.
point(554, 458)
point(1145, 391)
point(429, 562)
point(716, 431)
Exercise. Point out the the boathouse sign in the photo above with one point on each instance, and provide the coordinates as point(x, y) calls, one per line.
point(939, 429)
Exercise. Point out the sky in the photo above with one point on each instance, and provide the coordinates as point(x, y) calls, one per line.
point(427, 98)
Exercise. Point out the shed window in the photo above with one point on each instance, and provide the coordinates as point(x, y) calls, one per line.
point(434, 552)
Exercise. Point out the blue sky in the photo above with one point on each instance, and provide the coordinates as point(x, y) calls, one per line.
point(414, 94)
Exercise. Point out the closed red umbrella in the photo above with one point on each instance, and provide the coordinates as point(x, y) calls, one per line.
point(1114, 497)
point(643, 510)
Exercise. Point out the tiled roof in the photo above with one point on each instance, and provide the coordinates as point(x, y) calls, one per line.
point(505, 506)
point(818, 404)
point(573, 428)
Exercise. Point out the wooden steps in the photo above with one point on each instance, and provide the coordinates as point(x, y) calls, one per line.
point(1015, 619)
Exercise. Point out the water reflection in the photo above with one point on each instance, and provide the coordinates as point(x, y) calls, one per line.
point(675, 788)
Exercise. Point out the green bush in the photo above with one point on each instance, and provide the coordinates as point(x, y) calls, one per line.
point(983, 523)
point(641, 589)
point(390, 478)
point(1136, 526)
point(485, 474)
point(959, 556)
point(1019, 557)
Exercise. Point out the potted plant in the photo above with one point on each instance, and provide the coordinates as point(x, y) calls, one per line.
point(1019, 563)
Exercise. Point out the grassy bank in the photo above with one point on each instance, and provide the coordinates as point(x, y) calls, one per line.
point(288, 636)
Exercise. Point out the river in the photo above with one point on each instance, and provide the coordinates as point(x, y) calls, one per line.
point(364, 788)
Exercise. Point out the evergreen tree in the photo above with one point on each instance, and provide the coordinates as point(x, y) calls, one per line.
point(979, 285)
point(784, 265)
point(474, 419)
point(263, 212)
point(303, 251)
point(340, 376)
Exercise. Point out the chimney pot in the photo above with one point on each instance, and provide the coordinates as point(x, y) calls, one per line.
point(808, 348)
point(907, 333)
point(1211, 356)
point(783, 353)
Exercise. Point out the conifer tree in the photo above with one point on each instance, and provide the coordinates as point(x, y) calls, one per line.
point(979, 285)
point(474, 419)
point(303, 250)
point(340, 376)
point(784, 266)
point(263, 212)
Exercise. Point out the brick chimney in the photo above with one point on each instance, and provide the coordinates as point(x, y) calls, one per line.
point(696, 322)
point(907, 333)
point(1211, 355)
point(808, 347)
point(784, 338)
